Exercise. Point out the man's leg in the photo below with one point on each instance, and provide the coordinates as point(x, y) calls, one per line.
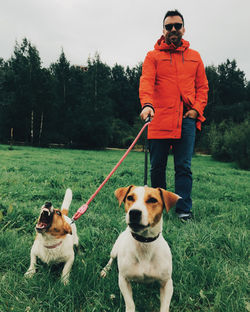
point(183, 151)
point(159, 149)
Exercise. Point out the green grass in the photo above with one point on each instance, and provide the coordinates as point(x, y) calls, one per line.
point(210, 254)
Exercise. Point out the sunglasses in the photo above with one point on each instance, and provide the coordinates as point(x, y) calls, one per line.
point(169, 27)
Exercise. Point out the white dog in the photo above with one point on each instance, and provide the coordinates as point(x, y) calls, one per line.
point(55, 238)
point(142, 253)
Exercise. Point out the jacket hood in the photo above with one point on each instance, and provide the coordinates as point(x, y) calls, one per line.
point(162, 45)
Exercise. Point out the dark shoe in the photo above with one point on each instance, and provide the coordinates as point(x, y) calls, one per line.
point(185, 217)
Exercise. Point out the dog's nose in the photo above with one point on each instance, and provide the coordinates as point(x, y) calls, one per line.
point(135, 215)
point(48, 205)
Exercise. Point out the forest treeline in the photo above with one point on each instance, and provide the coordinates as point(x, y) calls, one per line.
point(95, 106)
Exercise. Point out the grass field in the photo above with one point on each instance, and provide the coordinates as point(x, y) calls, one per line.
point(210, 254)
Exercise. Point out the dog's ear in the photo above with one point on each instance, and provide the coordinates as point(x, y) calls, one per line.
point(64, 212)
point(67, 228)
point(169, 199)
point(121, 193)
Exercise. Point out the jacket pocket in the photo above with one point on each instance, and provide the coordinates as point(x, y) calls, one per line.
point(164, 119)
point(164, 67)
point(191, 65)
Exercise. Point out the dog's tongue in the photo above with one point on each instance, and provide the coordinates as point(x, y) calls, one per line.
point(41, 225)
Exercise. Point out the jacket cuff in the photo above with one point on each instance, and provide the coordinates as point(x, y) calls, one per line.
point(148, 105)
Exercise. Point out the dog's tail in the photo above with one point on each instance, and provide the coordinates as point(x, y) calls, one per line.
point(66, 202)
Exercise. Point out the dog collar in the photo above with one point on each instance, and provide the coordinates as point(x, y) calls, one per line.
point(53, 246)
point(143, 239)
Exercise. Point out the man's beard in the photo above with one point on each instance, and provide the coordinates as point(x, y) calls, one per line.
point(175, 40)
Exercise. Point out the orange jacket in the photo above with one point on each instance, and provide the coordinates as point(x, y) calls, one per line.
point(170, 78)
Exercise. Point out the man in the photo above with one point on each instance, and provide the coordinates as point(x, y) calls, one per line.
point(173, 92)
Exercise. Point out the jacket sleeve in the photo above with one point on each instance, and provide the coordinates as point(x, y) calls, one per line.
point(147, 80)
point(201, 90)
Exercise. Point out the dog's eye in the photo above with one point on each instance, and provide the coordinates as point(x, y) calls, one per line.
point(130, 198)
point(151, 200)
point(58, 213)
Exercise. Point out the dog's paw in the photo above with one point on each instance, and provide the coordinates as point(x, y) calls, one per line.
point(103, 273)
point(29, 273)
point(65, 280)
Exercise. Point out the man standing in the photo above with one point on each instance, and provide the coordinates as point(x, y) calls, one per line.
point(173, 91)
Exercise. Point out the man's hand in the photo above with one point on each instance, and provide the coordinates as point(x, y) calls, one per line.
point(147, 111)
point(192, 113)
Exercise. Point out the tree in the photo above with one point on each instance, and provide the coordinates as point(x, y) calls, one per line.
point(248, 91)
point(96, 105)
point(22, 82)
point(231, 83)
point(60, 72)
point(213, 95)
point(227, 93)
point(93, 120)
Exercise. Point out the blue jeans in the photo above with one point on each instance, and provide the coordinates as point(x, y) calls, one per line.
point(182, 150)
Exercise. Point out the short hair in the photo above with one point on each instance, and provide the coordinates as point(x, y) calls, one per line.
point(173, 13)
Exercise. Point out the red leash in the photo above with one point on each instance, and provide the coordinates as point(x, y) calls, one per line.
point(84, 207)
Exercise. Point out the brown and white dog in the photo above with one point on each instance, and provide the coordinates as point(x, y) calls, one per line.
point(142, 253)
point(55, 238)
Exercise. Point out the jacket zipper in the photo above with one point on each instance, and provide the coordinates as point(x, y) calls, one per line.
point(179, 116)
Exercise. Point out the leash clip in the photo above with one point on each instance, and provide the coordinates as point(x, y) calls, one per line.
point(79, 212)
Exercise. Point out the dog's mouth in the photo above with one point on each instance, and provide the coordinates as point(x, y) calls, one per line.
point(137, 227)
point(45, 219)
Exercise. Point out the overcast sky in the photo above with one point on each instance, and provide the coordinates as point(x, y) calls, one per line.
point(123, 31)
